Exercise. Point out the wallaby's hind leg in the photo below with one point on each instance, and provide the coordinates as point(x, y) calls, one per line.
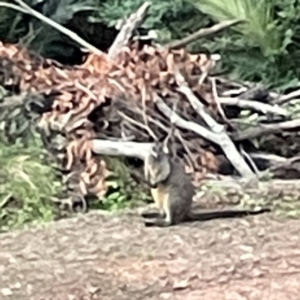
point(165, 222)
point(154, 214)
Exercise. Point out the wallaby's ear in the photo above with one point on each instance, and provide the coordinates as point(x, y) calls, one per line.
point(166, 141)
point(165, 147)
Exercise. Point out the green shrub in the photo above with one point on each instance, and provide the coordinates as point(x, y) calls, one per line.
point(265, 47)
point(124, 191)
point(27, 185)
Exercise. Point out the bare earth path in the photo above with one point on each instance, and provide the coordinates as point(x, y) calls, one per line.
point(115, 257)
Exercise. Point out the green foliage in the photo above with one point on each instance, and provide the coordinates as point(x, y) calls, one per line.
point(16, 26)
point(9, 20)
point(260, 28)
point(17, 120)
point(63, 10)
point(27, 182)
point(27, 185)
point(169, 19)
point(123, 191)
point(262, 49)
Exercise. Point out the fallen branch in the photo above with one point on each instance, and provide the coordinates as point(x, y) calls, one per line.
point(178, 121)
point(272, 158)
point(14, 7)
point(138, 124)
point(219, 137)
point(285, 98)
point(276, 162)
point(262, 129)
point(256, 92)
point(24, 8)
point(237, 87)
point(254, 105)
point(196, 104)
point(217, 100)
point(203, 32)
point(133, 22)
point(121, 148)
point(140, 150)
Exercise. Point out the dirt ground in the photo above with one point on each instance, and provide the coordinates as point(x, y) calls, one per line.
point(96, 256)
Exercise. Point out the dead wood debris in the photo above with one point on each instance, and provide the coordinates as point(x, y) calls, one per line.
point(136, 97)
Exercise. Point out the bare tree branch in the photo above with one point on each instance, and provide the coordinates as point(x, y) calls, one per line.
point(177, 120)
point(265, 129)
point(254, 105)
point(272, 158)
point(121, 148)
point(203, 32)
point(14, 7)
point(275, 161)
point(217, 100)
point(27, 9)
point(138, 124)
point(196, 104)
point(285, 98)
point(130, 25)
point(219, 137)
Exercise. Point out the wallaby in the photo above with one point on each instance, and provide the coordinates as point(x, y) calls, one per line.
point(172, 191)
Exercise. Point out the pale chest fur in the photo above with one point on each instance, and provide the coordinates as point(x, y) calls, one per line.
point(160, 196)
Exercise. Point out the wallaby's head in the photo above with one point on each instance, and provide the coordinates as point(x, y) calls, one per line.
point(157, 164)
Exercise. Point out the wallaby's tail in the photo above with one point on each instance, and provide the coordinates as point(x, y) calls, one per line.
point(222, 214)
